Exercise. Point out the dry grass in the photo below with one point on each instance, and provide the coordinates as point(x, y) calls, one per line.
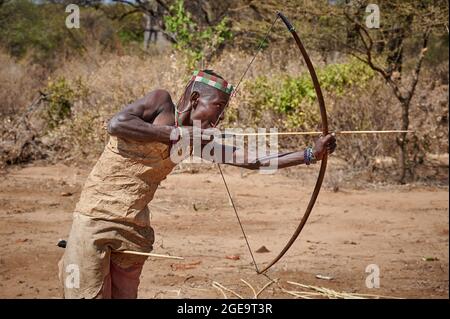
point(296, 290)
point(19, 83)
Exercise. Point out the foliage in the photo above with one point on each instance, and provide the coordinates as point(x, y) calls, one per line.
point(291, 97)
point(60, 98)
point(127, 27)
point(25, 25)
point(191, 39)
point(37, 30)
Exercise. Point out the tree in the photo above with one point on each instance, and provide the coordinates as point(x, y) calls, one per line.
point(404, 24)
point(152, 12)
point(405, 21)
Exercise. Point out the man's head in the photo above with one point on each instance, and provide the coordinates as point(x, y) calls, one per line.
point(206, 96)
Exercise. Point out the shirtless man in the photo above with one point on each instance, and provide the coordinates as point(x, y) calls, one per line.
point(112, 214)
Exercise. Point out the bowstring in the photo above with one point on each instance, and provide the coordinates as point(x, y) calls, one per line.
point(218, 164)
point(237, 216)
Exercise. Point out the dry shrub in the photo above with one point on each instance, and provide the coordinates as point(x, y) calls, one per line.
point(19, 83)
point(375, 157)
point(112, 82)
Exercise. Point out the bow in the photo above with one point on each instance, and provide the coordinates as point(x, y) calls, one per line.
point(323, 164)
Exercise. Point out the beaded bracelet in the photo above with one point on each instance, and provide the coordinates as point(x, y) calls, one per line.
point(313, 158)
point(308, 156)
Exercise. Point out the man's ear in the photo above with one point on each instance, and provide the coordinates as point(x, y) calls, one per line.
point(194, 99)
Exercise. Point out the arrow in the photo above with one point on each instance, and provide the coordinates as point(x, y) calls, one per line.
point(63, 243)
point(226, 135)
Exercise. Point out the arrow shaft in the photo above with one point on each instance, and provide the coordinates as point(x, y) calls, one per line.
point(316, 133)
point(131, 252)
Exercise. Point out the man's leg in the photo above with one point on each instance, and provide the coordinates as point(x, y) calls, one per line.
point(125, 281)
point(105, 292)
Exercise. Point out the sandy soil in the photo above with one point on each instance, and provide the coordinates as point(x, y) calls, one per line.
point(395, 228)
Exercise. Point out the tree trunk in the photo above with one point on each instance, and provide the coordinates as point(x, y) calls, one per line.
point(403, 142)
point(147, 30)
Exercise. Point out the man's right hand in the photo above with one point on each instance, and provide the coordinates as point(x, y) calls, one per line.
point(323, 145)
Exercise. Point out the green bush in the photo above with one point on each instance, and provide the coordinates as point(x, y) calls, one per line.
point(36, 29)
point(60, 99)
point(59, 102)
point(291, 98)
point(29, 27)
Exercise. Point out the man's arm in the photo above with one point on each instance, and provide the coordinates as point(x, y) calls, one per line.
point(149, 119)
point(239, 157)
point(234, 156)
point(283, 160)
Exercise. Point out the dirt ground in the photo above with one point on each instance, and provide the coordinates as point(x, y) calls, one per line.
point(403, 230)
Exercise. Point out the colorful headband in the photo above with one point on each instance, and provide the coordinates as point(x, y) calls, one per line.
point(211, 80)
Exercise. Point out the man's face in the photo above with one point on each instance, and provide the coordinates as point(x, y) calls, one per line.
point(208, 107)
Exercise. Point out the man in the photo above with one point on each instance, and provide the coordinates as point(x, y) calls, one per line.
point(112, 214)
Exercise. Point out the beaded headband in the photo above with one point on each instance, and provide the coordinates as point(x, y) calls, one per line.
point(211, 80)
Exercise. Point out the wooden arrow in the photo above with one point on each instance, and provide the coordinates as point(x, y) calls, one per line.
point(225, 135)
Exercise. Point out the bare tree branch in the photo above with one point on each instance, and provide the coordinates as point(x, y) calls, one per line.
point(418, 67)
point(163, 5)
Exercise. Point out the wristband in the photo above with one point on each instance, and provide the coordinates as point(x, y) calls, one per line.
point(308, 156)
